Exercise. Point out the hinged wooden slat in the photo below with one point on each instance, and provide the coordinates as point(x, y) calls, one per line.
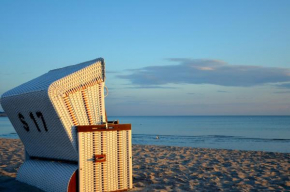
point(103, 127)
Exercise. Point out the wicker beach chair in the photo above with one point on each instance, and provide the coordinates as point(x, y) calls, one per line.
point(60, 118)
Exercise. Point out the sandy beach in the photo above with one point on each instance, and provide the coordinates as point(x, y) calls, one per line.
point(165, 168)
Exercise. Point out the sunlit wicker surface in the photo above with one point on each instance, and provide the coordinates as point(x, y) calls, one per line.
point(113, 174)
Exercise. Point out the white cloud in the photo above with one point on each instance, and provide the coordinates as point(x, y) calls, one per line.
point(205, 68)
point(207, 71)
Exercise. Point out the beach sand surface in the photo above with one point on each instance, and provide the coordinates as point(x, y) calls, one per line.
point(165, 168)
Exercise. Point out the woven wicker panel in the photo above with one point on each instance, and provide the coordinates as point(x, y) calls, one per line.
point(46, 175)
point(43, 82)
point(53, 143)
point(52, 104)
point(113, 174)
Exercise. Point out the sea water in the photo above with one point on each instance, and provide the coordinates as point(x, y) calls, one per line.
point(258, 133)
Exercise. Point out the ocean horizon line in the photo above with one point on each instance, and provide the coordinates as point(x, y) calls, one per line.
point(2, 114)
point(198, 115)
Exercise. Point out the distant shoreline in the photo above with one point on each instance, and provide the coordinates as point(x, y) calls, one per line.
point(3, 114)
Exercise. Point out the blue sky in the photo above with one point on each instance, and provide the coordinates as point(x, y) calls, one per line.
point(162, 57)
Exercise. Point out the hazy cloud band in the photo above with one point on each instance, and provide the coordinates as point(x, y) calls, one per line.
point(206, 71)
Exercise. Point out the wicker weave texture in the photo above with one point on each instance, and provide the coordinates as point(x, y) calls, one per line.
point(46, 175)
point(42, 82)
point(45, 110)
point(113, 174)
point(53, 143)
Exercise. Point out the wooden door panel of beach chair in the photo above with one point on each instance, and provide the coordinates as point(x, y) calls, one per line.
point(105, 157)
